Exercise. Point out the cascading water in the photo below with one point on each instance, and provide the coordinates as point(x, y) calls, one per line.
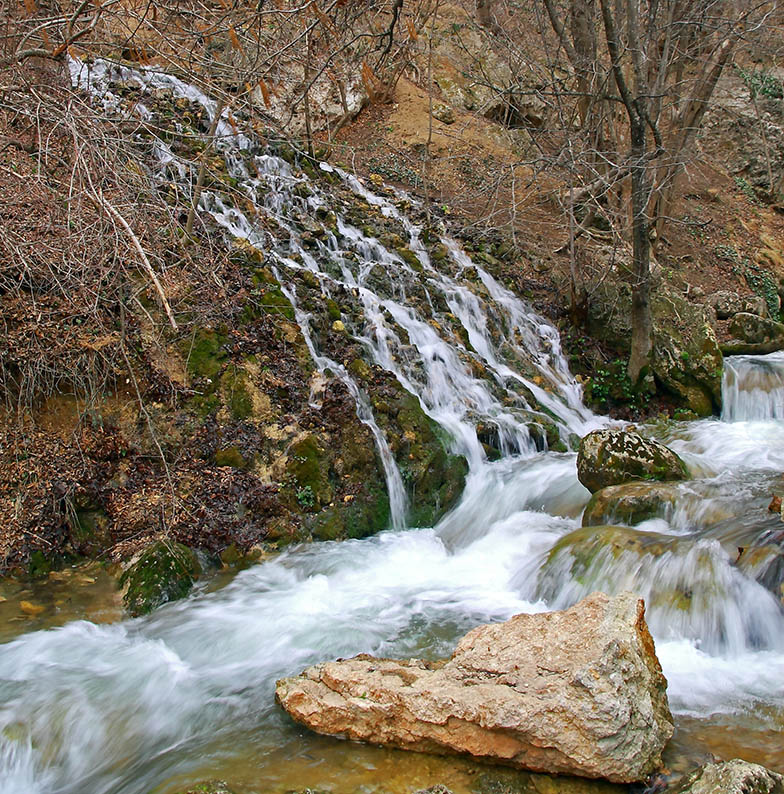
point(157, 702)
point(753, 388)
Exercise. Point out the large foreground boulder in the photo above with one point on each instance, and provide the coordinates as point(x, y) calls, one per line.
point(578, 692)
point(613, 457)
point(733, 777)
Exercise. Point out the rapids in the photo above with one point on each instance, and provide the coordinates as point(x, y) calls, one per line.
point(184, 694)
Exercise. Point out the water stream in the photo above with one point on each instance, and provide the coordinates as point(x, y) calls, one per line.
point(185, 694)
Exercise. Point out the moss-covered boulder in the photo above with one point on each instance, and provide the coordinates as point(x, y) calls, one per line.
point(165, 571)
point(732, 777)
point(686, 359)
point(754, 335)
point(613, 457)
point(630, 503)
point(309, 467)
point(588, 557)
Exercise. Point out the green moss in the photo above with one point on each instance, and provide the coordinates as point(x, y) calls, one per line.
point(90, 530)
point(205, 404)
point(333, 310)
point(274, 302)
point(206, 354)
point(360, 369)
point(439, 253)
point(309, 279)
point(237, 393)
point(230, 456)
point(164, 572)
point(308, 467)
point(329, 525)
point(368, 514)
point(410, 258)
point(39, 566)
point(263, 275)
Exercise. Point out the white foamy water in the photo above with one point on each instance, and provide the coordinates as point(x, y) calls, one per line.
point(124, 708)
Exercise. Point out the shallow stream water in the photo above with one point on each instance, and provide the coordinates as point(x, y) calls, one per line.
point(93, 703)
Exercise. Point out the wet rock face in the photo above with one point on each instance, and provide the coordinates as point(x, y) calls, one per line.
point(630, 503)
point(733, 777)
point(613, 457)
point(765, 563)
point(577, 692)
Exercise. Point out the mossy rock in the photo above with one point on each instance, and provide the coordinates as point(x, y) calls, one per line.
point(410, 258)
point(630, 503)
point(686, 360)
point(39, 565)
point(90, 530)
point(165, 571)
point(308, 467)
point(272, 301)
point(237, 393)
point(333, 310)
point(614, 457)
point(434, 479)
point(206, 355)
point(588, 555)
point(732, 777)
point(230, 456)
point(439, 253)
point(755, 330)
point(366, 514)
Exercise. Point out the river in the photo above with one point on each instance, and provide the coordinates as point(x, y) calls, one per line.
point(90, 702)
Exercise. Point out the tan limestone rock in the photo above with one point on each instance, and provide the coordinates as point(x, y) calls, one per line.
point(578, 692)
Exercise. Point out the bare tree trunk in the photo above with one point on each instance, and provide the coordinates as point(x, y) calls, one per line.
point(642, 323)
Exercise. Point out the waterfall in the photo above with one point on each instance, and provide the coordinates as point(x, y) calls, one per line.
point(145, 704)
point(753, 388)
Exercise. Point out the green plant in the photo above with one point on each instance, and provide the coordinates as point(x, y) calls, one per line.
point(306, 498)
point(761, 83)
point(762, 283)
point(727, 252)
point(746, 188)
point(610, 386)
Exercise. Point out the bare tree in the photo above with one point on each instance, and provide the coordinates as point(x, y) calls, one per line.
point(659, 62)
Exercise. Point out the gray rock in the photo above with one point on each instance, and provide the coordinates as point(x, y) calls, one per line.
point(578, 692)
point(733, 777)
point(725, 303)
point(614, 457)
point(756, 330)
